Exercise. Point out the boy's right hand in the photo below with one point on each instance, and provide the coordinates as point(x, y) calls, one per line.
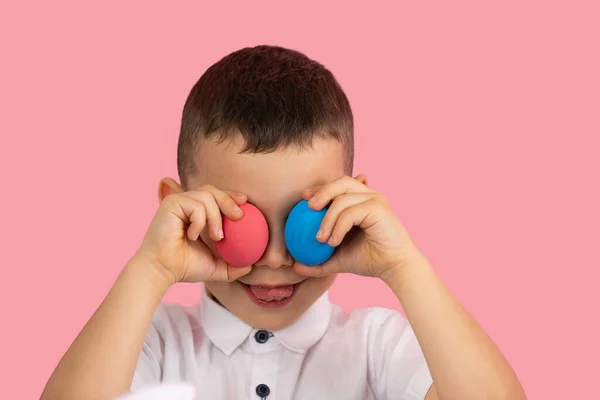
point(173, 243)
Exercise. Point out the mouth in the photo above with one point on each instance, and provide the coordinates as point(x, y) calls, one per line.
point(271, 296)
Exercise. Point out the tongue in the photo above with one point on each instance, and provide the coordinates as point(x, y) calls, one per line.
point(270, 294)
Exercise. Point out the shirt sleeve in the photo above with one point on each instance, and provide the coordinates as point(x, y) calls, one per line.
point(149, 371)
point(397, 367)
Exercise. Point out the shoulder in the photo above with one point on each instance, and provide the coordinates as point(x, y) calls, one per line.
point(174, 330)
point(175, 319)
point(367, 320)
point(381, 332)
point(169, 337)
point(394, 359)
point(374, 330)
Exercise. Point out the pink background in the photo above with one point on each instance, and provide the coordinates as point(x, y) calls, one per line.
point(479, 121)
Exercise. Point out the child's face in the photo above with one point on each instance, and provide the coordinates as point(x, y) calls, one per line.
point(273, 182)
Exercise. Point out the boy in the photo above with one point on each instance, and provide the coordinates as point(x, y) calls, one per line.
point(269, 126)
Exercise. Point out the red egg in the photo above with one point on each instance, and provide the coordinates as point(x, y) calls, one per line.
point(245, 240)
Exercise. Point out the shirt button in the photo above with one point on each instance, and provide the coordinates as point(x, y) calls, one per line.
point(261, 336)
point(262, 390)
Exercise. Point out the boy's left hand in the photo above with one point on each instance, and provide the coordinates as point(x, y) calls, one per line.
point(378, 248)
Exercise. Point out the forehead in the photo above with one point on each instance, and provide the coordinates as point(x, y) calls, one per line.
point(269, 180)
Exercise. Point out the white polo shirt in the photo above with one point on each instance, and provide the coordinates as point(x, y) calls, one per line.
point(326, 354)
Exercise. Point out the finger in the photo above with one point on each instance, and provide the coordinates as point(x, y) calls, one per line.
point(214, 220)
point(189, 211)
point(308, 193)
point(197, 221)
point(239, 198)
point(361, 215)
point(340, 186)
point(226, 204)
point(362, 179)
point(330, 267)
point(234, 273)
point(336, 208)
point(224, 272)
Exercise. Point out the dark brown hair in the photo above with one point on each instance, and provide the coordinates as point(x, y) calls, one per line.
point(274, 97)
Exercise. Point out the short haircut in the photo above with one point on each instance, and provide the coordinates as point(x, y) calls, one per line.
point(274, 97)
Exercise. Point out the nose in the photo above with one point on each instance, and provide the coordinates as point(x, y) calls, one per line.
point(276, 255)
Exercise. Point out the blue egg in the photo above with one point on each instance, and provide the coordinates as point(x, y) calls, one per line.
point(300, 234)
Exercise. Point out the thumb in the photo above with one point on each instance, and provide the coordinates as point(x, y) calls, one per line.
point(329, 267)
point(224, 272)
point(234, 273)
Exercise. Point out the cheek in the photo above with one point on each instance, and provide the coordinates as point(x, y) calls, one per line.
point(328, 281)
point(222, 292)
point(317, 286)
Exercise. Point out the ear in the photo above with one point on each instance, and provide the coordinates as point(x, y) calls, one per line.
point(166, 187)
point(362, 179)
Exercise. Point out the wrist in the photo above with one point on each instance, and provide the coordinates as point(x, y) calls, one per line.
point(405, 270)
point(151, 271)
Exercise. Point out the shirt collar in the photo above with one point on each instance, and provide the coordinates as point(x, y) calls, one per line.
point(228, 332)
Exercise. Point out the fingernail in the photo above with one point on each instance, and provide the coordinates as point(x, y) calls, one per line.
point(312, 200)
point(237, 209)
point(320, 233)
point(221, 234)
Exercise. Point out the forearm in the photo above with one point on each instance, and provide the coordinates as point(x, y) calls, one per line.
point(101, 361)
point(463, 360)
